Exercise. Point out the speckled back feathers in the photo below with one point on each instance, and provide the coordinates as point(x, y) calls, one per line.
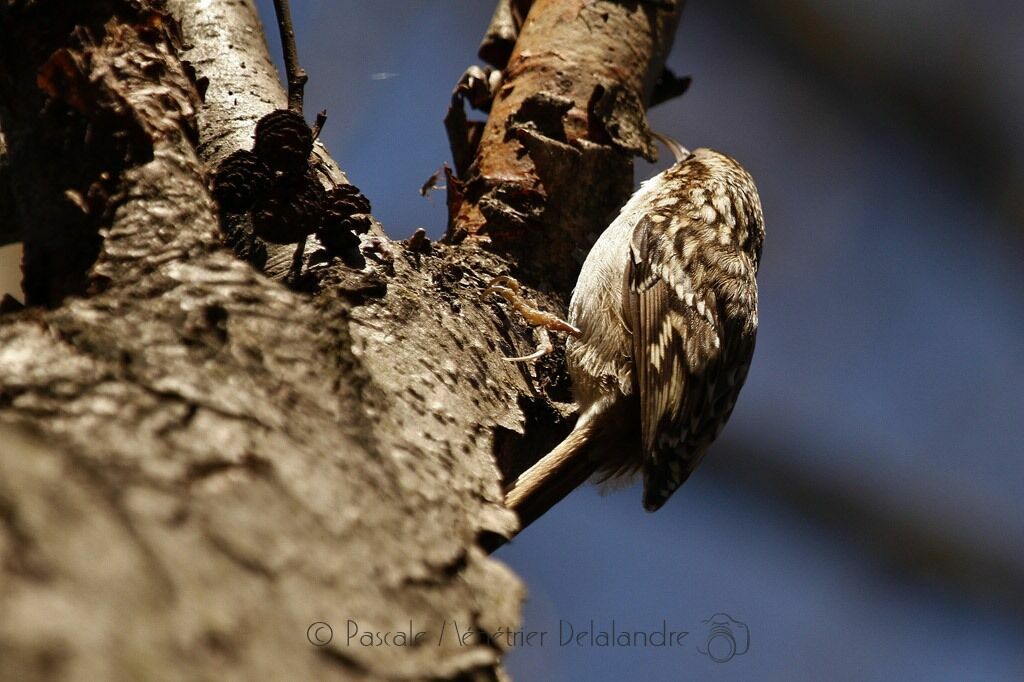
point(685, 250)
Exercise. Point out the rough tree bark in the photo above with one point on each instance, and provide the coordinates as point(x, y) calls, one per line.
point(555, 160)
point(196, 462)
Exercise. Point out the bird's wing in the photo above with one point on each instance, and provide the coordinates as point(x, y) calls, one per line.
point(681, 340)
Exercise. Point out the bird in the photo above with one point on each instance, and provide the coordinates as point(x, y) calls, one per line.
point(660, 333)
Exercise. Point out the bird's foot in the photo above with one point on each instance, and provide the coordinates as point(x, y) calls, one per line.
point(509, 289)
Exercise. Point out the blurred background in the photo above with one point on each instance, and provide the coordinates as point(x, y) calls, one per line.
point(862, 513)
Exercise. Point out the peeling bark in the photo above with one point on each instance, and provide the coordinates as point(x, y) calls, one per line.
point(555, 160)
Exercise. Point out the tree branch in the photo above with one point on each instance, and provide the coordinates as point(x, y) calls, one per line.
point(554, 163)
point(296, 75)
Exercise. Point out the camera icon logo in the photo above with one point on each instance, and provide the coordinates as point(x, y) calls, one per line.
point(727, 637)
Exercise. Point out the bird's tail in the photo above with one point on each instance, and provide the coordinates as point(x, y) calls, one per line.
point(556, 475)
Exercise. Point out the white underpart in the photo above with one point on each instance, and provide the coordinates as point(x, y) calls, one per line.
point(603, 349)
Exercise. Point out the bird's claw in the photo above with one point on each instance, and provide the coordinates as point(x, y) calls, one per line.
point(508, 288)
point(545, 348)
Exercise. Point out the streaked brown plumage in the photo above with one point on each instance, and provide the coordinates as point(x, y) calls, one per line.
point(666, 305)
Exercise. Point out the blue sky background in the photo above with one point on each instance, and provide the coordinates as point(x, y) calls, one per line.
point(862, 513)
